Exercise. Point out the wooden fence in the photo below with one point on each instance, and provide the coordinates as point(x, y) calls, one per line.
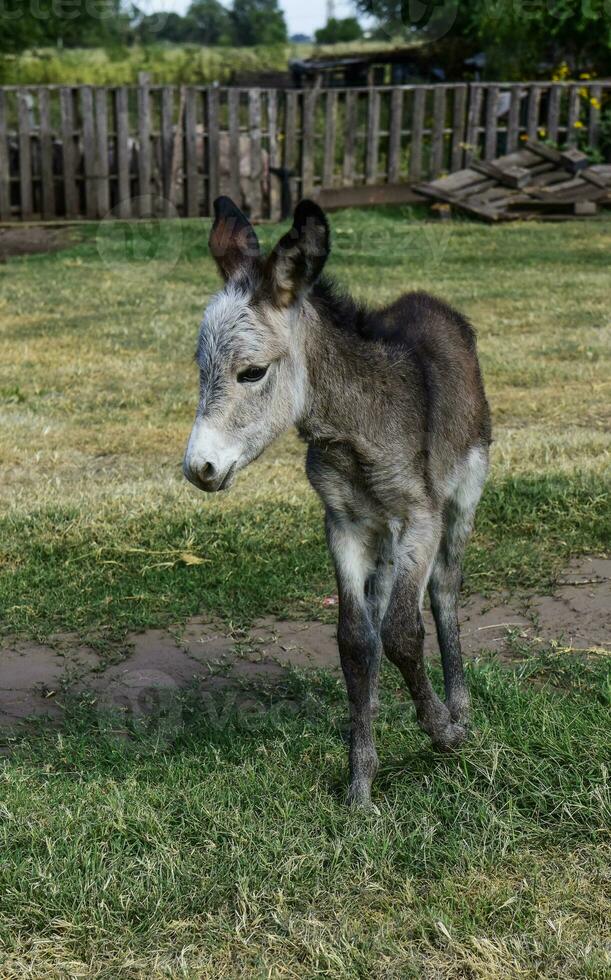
point(84, 152)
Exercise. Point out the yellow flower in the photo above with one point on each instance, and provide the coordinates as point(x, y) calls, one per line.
point(542, 130)
point(524, 136)
point(583, 92)
point(585, 75)
point(595, 103)
point(578, 124)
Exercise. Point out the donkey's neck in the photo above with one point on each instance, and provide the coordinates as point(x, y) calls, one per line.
point(335, 377)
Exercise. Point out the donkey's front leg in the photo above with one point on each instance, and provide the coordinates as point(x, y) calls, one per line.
point(359, 647)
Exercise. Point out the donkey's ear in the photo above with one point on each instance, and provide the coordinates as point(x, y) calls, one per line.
point(299, 257)
point(232, 241)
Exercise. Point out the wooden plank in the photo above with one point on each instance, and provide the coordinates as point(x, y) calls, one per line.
point(394, 136)
point(213, 145)
point(167, 147)
point(532, 119)
point(5, 185)
point(458, 127)
point(373, 137)
point(307, 142)
point(191, 174)
point(330, 136)
point(25, 155)
point(367, 195)
point(510, 177)
point(596, 94)
point(68, 153)
point(233, 122)
point(88, 130)
point(439, 125)
point(415, 153)
point(553, 112)
point(144, 151)
point(430, 190)
point(122, 152)
point(573, 115)
point(513, 119)
point(101, 112)
point(256, 155)
point(473, 122)
point(351, 124)
point(274, 154)
point(290, 140)
point(46, 155)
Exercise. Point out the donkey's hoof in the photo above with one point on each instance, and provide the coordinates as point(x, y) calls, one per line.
point(450, 738)
point(359, 797)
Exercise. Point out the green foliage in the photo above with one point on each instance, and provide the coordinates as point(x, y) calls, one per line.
point(337, 31)
point(67, 22)
point(206, 22)
point(518, 36)
point(257, 22)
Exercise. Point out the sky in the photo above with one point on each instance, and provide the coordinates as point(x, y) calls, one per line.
point(302, 16)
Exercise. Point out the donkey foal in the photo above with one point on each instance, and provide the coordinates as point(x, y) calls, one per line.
point(392, 407)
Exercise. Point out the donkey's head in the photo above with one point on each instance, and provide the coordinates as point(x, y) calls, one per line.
point(253, 377)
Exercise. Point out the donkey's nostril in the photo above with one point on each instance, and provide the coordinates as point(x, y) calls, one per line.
point(206, 471)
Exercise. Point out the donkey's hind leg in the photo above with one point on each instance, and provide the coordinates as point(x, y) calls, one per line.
point(403, 632)
point(446, 580)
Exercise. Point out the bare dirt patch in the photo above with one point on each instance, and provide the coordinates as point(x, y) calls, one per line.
point(32, 239)
point(37, 679)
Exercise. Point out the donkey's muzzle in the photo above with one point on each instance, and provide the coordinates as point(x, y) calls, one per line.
point(206, 476)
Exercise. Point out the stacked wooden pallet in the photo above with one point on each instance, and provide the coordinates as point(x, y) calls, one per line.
point(536, 182)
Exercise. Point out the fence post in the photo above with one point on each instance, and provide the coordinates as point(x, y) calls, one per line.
point(191, 172)
point(415, 155)
point(595, 94)
point(351, 123)
point(394, 138)
point(68, 163)
point(307, 142)
point(458, 127)
point(373, 136)
point(233, 108)
point(513, 119)
point(5, 177)
point(274, 155)
point(144, 154)
point(573, 116)
point(290, 139)
point(534, 99)
point(473, 122)
point(439, 125)
point(212, 157)
point(256, 158)
point(101, 112)
point(492, 102)
point(91, 204)
point(46, 155)
point(167, 145)
point(25, 155)
point(330, 131)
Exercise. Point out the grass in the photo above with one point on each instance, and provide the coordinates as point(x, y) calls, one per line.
point(166, 64)
point(213, 842)
point(98, 390)
point(222, 849)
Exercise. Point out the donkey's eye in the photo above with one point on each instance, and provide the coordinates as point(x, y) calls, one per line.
point(252, 374)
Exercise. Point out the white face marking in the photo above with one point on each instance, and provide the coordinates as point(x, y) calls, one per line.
point(236, 419)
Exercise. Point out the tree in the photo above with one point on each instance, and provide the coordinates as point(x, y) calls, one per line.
point(517, 36)
point(207, 22)
point(257, 22)
point(338, 31)
point(74, 23)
